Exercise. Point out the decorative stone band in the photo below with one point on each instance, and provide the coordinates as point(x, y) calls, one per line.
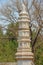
point(23, 37)
point(23, 14)
point(18, 55)
point(24, 40)
point(23, 17)
point(24, 55)
point(25, 58)
point(23, 29)
point(23, 20)
point(24, 50)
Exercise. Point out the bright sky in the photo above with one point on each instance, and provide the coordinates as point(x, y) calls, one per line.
point(3, 2)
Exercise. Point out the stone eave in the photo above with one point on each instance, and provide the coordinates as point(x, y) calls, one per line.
point(23, 20)
point(21, 37)
point(25, 59)
point(24, 40)
point(23, 17)
point(23, 28)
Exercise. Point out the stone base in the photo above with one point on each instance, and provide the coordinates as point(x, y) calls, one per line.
point(25, 62)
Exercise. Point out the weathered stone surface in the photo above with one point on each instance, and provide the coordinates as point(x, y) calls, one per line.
point(24, 53)
point(24, 40)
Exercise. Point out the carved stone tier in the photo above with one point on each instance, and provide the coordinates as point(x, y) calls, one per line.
point(24, 17)
point(23, 37)
point(23, 29)
point(24, 20)
point(26, 40)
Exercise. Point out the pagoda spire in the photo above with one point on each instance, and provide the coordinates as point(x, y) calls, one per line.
point(23, 7)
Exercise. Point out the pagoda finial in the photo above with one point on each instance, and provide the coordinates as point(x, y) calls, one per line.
point(23, 7)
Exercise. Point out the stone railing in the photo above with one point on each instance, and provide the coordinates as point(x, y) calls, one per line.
point(8, 63)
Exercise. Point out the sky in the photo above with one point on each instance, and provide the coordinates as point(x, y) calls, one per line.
point(2, 2)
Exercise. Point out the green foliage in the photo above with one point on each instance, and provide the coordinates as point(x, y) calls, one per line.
point(39, 52)
point(38, 49)
point(12, 30)
point(39, 56)
point(7, 50)
point(8, 47)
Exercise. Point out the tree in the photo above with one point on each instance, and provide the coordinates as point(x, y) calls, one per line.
point(10, 12)
point(12, 31)
point(1, 32)
point(7, 48)
point(35, 12)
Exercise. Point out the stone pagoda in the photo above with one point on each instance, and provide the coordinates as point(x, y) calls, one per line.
point(24, 53)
